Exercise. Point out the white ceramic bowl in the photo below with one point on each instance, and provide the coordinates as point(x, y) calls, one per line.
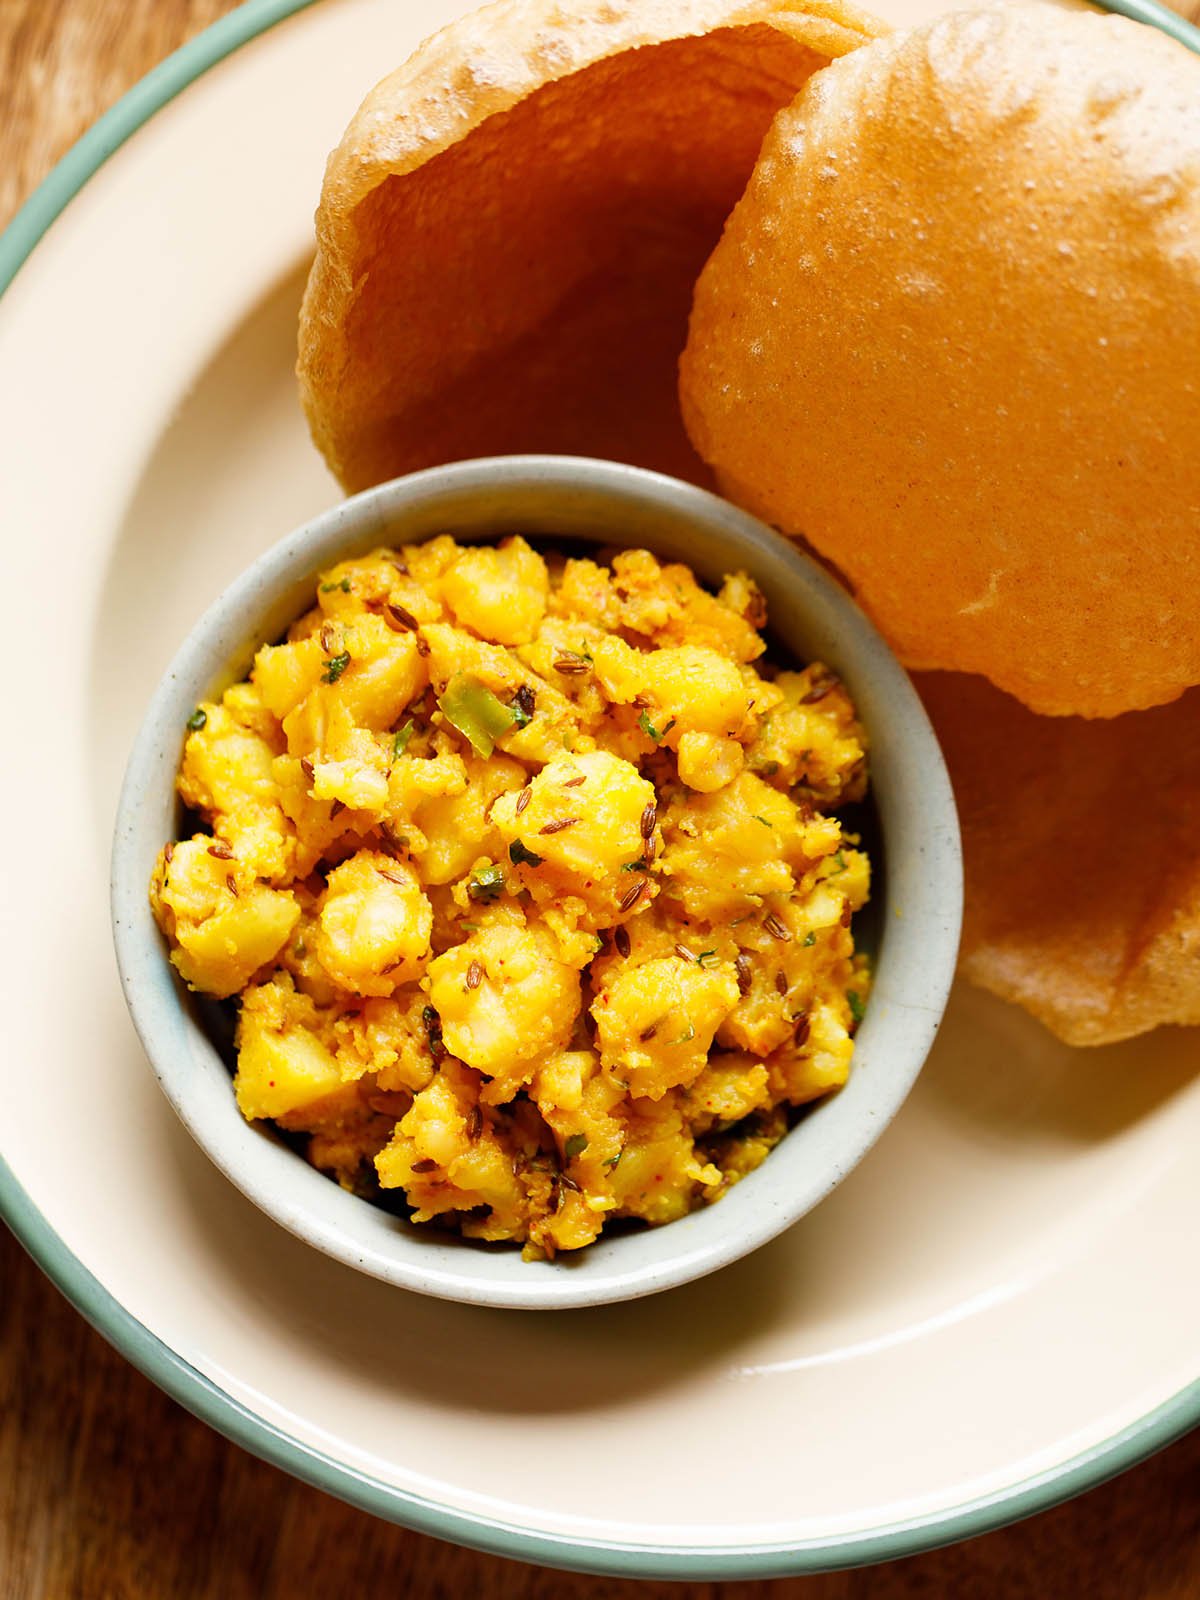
point(917, 887)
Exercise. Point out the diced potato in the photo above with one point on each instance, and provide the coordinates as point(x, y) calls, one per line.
point(503, 998)
point(228, 775)
point(458, 827)
point(655, 1022)
point(812, 1066)
point(283, 1065)
point(374, 924)
point(286, 673)
point(659, 1172)
point(584, 818)
point(731, 1086)
point(388, 1039)
point(725, 852)
point(694, 691)
point(813, 738)
point(498, 592)
point(708, 761)
point(224, 925)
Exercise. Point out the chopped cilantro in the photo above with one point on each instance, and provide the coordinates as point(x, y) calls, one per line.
point(706, 955)
point(400, 742)
point(344, 586)
point(763, 820)
point(520, 855)
point(613, 1160)
point(857, 1009)
point(810, 938)
point(521, 705)
point(651, 731)
point(575, 1146)
point(640, 865)
point(686, 1037)
point(335, 666)
point(841, 863)
point(197, 720)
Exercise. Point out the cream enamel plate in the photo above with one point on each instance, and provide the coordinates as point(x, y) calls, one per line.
point(996, 1309)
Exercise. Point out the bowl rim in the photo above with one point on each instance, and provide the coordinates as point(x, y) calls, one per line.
point(603, 497)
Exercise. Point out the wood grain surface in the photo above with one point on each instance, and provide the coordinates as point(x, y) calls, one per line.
point(109, 1491)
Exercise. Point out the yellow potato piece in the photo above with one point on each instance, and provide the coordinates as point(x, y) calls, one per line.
point(503, 998)
point(655, 1022)
point(499, 593)
point(374, 924)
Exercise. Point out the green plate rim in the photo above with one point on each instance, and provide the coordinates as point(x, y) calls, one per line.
point(212, 1404)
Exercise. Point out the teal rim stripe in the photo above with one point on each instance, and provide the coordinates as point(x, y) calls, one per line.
point(1156, 16)
point(212, 1404)
point(150, 94)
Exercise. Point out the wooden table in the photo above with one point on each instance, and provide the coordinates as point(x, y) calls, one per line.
point(109, 1489)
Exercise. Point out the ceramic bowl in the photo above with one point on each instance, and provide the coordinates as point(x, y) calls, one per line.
point(914, 925)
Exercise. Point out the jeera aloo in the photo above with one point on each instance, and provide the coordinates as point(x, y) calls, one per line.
point(525, 876)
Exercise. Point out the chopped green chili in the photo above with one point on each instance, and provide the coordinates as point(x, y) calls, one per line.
point(474, 710)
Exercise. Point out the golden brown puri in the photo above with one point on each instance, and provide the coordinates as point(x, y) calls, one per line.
point(511, 227)
point(1082, 848)
point(950, 335)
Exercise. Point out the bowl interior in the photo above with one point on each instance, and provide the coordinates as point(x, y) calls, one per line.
point(912, 929)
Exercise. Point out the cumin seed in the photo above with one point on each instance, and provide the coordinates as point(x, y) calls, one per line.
point(307, 768)
point(558, 825)
point(776, 928)
point(632, 895)
point(819, 690)
point(399, 618)
point(684, 954)
point(573, 783)
point(221, 850)
point(328, 638)
point(781, 983)
point(570, 664)
point(231, 884)
point(523, 799)
point(474, 975)
point(392, 877)
point(336, 809)
point(424, 1165)
point(800, 1028)
point(648, 1033)
point(649, 818)
point(621, 940)
point(741, 966)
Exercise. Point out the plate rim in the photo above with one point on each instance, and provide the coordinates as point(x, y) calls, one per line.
point(212, 1404)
